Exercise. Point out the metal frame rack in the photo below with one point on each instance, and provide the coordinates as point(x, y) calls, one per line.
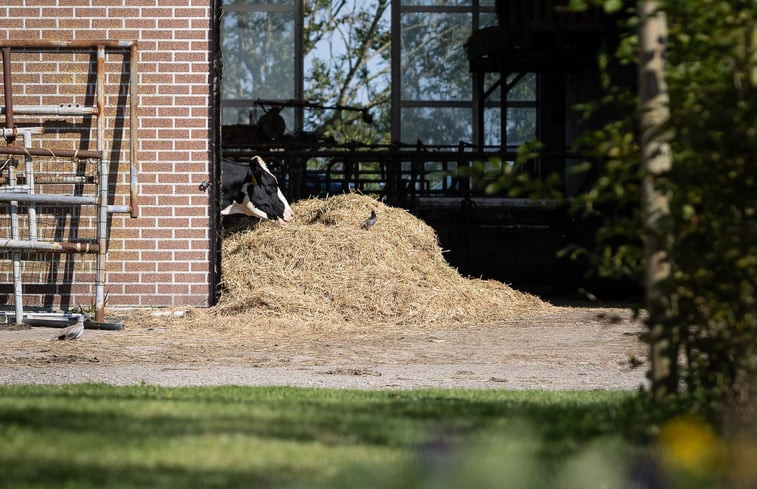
point(15, 193)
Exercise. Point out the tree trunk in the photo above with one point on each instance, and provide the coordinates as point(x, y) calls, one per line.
point(656, 162)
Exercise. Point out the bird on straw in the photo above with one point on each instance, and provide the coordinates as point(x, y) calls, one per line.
point(370, 221)
point(74, 331)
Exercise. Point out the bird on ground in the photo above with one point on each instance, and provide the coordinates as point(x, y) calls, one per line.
point(370, 221)
point(74, 331)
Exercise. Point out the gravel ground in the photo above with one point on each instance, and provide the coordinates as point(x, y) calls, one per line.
point(566, 348)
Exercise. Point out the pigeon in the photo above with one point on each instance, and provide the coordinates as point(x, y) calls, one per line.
point(370, 221)
point(74, 331)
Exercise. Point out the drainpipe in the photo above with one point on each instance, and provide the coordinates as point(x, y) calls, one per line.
point(133, 125)
point(8, 91)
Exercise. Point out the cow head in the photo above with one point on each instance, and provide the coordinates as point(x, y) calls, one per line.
point(257, 194)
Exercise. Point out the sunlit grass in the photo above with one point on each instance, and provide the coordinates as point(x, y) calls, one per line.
point(102, 436)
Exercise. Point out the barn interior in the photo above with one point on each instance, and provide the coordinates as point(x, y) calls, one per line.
point(516, 69)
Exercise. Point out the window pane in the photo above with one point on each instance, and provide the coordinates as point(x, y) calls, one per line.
point(490, 80)
point(258, 55)
point(488, 20)
point(235, 115)
point(521, 125)
point(524, 90)
point(492, 127)
point(434, 62)
point(436, 125)
point(247, 115)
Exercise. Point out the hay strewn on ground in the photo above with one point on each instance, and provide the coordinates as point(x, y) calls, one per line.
point(325, 267)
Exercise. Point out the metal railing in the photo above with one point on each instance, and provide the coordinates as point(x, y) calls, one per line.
point(399, 174)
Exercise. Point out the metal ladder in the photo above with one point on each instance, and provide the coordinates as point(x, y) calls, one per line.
point(15, 193)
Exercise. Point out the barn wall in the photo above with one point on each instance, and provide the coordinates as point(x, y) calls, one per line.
point(163, 257)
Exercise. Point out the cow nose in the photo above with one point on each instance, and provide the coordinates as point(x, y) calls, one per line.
point(288, 215)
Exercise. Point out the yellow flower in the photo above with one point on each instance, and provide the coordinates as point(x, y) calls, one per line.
point(689, 444)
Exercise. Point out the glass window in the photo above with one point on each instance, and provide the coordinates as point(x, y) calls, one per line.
point(492, 80)
point(235, 115)
point(436, 125)
point(492, 126)
point(436, 84)
point(434, 62)
point(521, 112)
point(524, 90)
point(488, 20)
point(521, 125)
point(258, 55)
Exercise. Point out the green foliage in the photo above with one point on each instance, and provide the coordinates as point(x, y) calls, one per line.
point(714, 188)
point(610, 6)
point(612, 163)
point(710, 71)
point(513, 179)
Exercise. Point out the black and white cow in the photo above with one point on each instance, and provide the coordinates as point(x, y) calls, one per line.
point(252, 190)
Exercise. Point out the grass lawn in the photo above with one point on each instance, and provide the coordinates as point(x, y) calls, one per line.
point(101, 436)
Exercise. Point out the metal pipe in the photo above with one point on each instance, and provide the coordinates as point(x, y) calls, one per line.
point(119, 209)
point(18, 292)
point(18, 188)
point(55, 246)
point(47, 180)
point(8, 89)
point(8, 92)
point(47, 198)
point(102, 189)
point(133, 127)
point(404, 155)
point(55, 153)
point(53, 319)
point(59, 109)
point(31, 211)
point(4, 131)
point(58, 179)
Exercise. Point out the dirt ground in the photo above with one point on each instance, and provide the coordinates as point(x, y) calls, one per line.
point(561, 348)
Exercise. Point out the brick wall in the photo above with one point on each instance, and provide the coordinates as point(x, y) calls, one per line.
point(161, 258)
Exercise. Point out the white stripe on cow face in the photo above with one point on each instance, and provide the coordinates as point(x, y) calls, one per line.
point(288, 213)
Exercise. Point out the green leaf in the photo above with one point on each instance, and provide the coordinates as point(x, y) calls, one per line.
point(613, 5)
point(577, 5)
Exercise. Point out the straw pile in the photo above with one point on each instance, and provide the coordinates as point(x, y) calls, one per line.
point(325, 267)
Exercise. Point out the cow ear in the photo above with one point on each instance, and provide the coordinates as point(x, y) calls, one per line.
point(255, 163)
point(254, 180)
point(255, 167)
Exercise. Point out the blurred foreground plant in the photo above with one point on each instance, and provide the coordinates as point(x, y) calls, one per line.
point(709, 301)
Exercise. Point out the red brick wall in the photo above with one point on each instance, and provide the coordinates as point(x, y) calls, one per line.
point(161, 258)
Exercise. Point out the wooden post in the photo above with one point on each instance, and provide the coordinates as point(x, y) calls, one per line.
point(656, 163)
